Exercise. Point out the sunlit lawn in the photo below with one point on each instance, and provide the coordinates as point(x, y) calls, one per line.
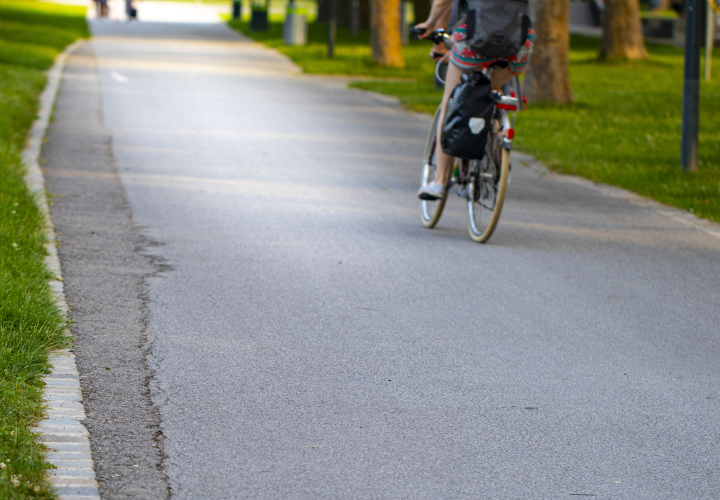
point(625, 128)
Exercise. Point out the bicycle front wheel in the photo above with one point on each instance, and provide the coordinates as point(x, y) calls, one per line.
point(487, 188)
point(431, 210)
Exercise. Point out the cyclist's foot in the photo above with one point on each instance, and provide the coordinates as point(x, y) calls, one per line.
point(438, 51)
point(432, 192)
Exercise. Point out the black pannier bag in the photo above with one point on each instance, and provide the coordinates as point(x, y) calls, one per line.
point(468, 116)
point(497, 28)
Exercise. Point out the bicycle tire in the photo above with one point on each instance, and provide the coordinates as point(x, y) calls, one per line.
point(486, 190)
point(431, 211)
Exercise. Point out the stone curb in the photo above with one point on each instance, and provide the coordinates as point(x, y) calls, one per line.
point(62, 431)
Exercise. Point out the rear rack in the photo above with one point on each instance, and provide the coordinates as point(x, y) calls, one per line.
point(505, 102)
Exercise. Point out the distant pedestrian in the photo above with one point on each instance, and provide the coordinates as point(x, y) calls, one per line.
point(102, 8)
point(130, 10)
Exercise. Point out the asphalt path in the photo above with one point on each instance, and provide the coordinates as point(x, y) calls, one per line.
point(310, 339)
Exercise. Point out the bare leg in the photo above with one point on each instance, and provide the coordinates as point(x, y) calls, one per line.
point(444, 161)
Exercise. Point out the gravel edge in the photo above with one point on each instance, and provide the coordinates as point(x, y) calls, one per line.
point(62, 431)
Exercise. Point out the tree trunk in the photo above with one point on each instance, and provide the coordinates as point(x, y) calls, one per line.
point(323, 11)
point(385, 33)
point(365, 14)
point(622, 31)
point(422, 10)
point(548, 75)
point(343, 13)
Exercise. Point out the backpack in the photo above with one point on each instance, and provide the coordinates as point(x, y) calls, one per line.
point(497, 28)
point(468, 117)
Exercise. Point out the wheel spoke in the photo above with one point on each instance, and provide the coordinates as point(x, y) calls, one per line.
point(487, 188)
point(430, 210)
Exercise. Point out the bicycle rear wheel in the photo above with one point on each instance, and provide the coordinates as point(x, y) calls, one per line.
point(487, 187)
point(432, 210)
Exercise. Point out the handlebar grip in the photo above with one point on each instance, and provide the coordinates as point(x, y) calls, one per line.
point(415, 31)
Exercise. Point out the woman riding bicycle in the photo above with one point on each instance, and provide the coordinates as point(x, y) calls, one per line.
point(464, 59)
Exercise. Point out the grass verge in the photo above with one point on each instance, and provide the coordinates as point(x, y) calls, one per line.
point(623, 130)
point(31, 35)
point(353, 57)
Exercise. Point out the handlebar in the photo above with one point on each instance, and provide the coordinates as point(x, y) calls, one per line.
point(436, 37)
point(415, 31)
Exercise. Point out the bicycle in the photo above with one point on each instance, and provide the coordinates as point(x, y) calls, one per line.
point(482, 182)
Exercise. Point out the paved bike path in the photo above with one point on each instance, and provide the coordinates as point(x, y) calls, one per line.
point(309, 339)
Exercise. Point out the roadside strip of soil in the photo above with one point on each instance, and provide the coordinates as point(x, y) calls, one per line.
point(104, 273)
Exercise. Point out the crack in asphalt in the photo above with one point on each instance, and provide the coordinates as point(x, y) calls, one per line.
point(105, 268)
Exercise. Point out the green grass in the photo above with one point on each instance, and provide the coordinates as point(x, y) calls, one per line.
point(353, 57)
point(623, 130)
point(31, 35)
point(668, 14)
point(277, 7)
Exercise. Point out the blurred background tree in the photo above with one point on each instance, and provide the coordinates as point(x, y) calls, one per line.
point(622, 31)
point(548, 75)
point(385, 33)
point(344, 12)
point(422, 10)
